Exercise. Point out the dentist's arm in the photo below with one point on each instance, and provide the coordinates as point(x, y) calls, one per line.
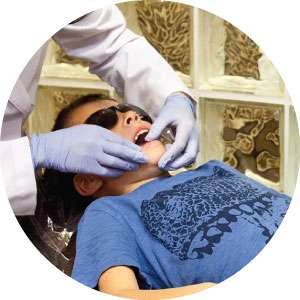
point(125, 60)
point(121, 281)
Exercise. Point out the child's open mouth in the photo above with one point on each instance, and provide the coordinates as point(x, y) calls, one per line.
point(139, 138)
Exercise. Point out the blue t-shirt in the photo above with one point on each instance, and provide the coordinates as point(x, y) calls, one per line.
point(198, 226)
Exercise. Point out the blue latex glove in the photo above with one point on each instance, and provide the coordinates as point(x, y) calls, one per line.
point(178, 112)
point(85, 149)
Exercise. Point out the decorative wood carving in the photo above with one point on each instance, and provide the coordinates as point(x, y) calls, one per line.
point(241, 53)
point(251, 139)
point(166, 25)
point(64, 98)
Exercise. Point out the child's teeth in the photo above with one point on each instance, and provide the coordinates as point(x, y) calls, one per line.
point(141, 132)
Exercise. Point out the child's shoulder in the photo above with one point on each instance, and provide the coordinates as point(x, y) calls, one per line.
point(101, 211)
point(103, 204)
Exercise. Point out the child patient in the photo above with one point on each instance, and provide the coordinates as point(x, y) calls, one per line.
point(151, 235)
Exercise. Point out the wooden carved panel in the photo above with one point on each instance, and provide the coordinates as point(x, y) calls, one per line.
point(241, 54)
point(251, 139)
point(166, 25)
point(62, 99)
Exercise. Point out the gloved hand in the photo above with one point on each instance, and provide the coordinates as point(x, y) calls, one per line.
point(85, 149)
point(178, 112)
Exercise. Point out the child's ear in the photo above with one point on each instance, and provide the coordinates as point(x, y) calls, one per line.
point(87, 184)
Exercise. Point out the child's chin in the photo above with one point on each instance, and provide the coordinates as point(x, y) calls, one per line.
point(154, 151)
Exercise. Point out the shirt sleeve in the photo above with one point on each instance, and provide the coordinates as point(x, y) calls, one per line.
point(102, 242)
point(123, 59)
point(18, 175)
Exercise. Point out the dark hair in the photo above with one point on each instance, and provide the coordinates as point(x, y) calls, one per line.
point(61, 202)
point(65, 112)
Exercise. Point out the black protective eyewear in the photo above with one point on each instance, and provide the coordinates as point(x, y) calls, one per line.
point(108, 117)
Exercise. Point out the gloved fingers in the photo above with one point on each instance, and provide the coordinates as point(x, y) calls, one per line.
point(183, 133)
point(168, 146)
point(188, 157)
point(90, 166)
point(157, 127)
point(109, 161)
point(125, 153)
point(108, 172)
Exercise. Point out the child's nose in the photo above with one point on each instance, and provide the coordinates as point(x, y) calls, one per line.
point(131, 117)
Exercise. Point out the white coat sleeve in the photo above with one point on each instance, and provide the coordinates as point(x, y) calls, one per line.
point(21, 189)
point(123, 59)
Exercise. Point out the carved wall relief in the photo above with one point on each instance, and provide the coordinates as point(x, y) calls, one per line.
point(64, 98)
point(251, 139)
point(166, 26)
point(241, 54)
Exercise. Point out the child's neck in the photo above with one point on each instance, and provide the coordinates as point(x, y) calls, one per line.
point(129, 182)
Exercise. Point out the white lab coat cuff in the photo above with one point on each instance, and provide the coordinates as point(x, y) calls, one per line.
point(18, 174)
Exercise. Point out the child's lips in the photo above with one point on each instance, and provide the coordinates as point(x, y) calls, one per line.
point(140, 134)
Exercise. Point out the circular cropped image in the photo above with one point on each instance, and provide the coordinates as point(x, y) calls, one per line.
point(105, 165)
